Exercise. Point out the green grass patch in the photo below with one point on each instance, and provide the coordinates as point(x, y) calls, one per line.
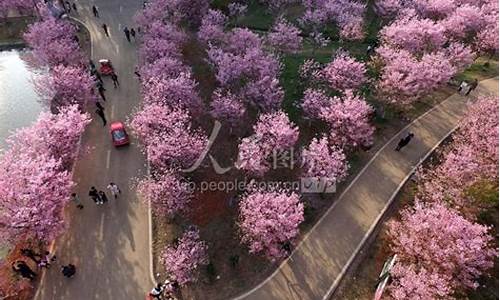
point(482, 68)
point(257, 17)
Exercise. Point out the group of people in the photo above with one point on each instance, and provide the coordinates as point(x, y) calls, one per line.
point(99, 197)
point(22, 268)
point(99, 84)
point(164, 291)
point(128, 32)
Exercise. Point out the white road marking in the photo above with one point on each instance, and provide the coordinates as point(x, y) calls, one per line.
point(112, 111)
point(101, 228)
point(108, 158)
point(121, 8)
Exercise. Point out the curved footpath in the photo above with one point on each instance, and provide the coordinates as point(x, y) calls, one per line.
point(109, 244)
point(319, 262)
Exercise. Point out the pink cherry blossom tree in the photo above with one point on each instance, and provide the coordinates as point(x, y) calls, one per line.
point(65, 86)
point(412, 283)
point(314, 101)
point(55, 134)
point(284, 37)
point(179, 92)
point(166, 191)
point(414, 35)
point(182, 261)
point(167, 136)
point(440, 240)
point(349, 121)
point(35, 181)
point(405, 78)
point(273, 132)
point(212, 28)
point(34, 190)
point(344, 72)
point(22, 7)
point(269, 220)
point(471, 157)
point(53, 42)
point(227, 108)
point(163, 68)
point(321, 160)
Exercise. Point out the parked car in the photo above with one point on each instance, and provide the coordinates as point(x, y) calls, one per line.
point(119, 135)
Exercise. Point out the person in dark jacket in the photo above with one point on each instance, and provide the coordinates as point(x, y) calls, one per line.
point(404, 141)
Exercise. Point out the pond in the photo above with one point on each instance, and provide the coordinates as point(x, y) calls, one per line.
point(19, 104)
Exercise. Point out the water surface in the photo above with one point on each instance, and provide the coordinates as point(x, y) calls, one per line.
point(19, 104)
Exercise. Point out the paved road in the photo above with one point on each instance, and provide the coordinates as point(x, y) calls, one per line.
point(108, 244)
point(317, 265)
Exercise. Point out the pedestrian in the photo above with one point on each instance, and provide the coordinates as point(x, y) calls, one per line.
point(98, 77)
point(47, 260)
point(94, 195)
point(404, 141)
point(74, 7)
point(114, 77)
point(114, 189)
point(101, 89)
point(105, 28)
point(23, 269)
point(127, 33)
point(472, 86)
point(463, 88)
point(91, 65)
point(67, 5)
point(156, 291)
point(95, 11)
point(369, 50)
point(100, 113)
point(103, 197)
point(76, 200)
point(132, 32)
point(31, 254)
point(68, 270)
point(99, 105)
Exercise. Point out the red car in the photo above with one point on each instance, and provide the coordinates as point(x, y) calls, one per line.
point(119, 134)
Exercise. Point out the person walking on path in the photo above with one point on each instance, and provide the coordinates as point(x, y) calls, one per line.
point(68, 270)
point(127, 33)
point(105, 28)
point(98, 77)
point(23, 269)
point(67, 5)
point(94, 195)
point(100, 113)
point(103, 197)
point(463, 88)
point(101, 90)
point(132, 32)
point(76, 200)
point(114, 77)
point(95, 11)
point(74, 7)
point(99, 105)
point(114, 189)
point(472, 86)
point(404, 141)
